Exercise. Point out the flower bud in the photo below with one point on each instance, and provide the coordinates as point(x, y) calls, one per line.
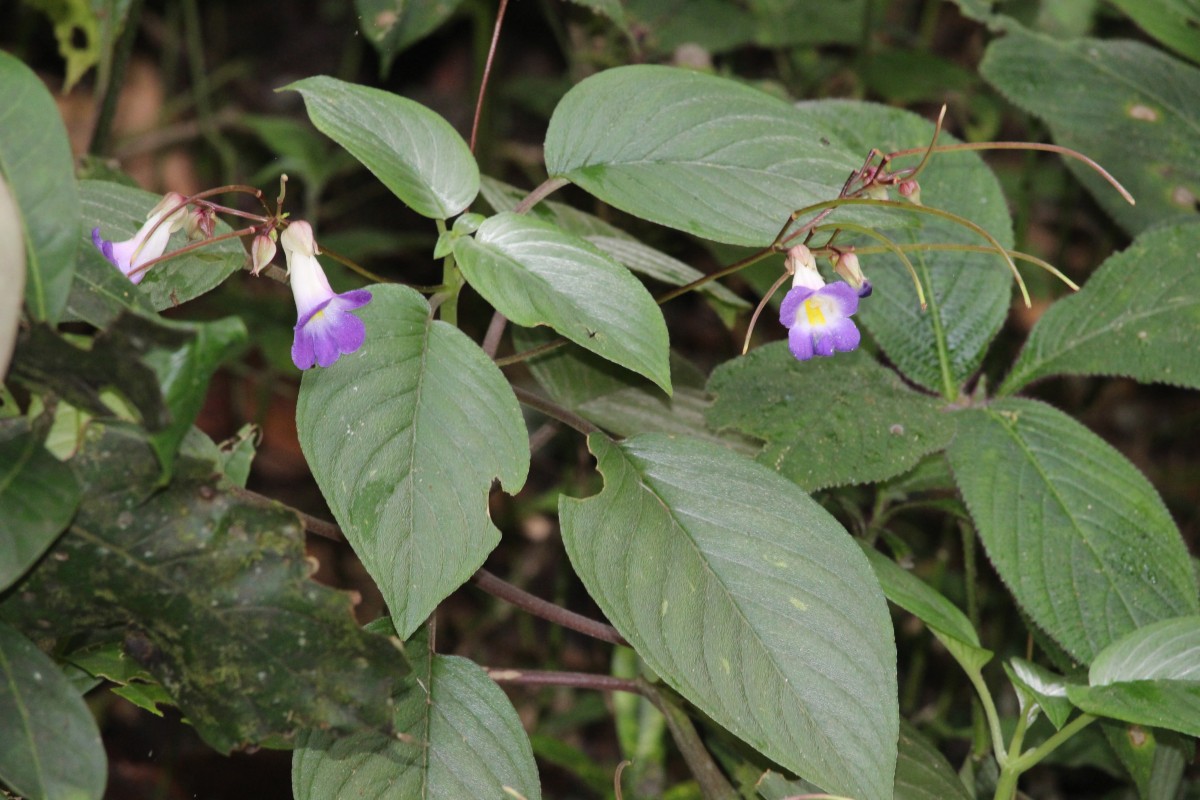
point(846, 265)
point(200, 222)
point(262, 250)
point(910, 190)
point(876, 191)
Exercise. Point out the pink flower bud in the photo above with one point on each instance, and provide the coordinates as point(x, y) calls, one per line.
point(200, 222)
point(262, 250)
point(910, 190)
point(848, 267)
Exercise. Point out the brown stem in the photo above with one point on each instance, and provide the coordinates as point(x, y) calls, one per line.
point(575, 680)
point(547, 187)
point(487, 71)
point(554, 411)
point(195, 246)
point(491, 340)
point(533, 352)
point(721, 273)
point(713, 782)
point(545, 609)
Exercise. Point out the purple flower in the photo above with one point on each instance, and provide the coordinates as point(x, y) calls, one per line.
point(818, 318)
point(145, 245)
point(325, 328)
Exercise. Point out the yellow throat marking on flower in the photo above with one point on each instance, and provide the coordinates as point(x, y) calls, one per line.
point(813, 311)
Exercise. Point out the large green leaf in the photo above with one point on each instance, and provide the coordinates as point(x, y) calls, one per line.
point(12, 273)
point(534, 273)
point(119, 211)
point(1079, 536)
point(829, 421)
point(36, 160)
point(210, 593)
point(404, 438)
point(1174, 705)
point(392, 25)
point(1175, 23)
point(1125, 104)
point(38, 497)
point(747, 598)
point(1167, 650)
point(412, 150)
point(968, 293)
point(458, 737)
point(1136, 317)
point(50, 747)
point(695, 152)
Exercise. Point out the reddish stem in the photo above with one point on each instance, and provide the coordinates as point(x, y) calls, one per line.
point(487, 71)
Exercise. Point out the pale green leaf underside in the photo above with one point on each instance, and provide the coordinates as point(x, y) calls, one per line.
point(377, 428)
point(1168, 650)
point(748, 599)
point(1174, 705)
point(827, 422)
point(1044, 687)
point(1136, 317)
point(1125, 104)
point(414, 151)
point(12, 273)
point(35, 159)
point(463, 739)
point(534, 273)
point(1080, 537)
point(698, 153)
point(50, 745)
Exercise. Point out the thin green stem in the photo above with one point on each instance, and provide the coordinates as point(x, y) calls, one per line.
point(452, 280)
point(1032, 757)
point(112, 92)
point(989, 710)
point(533, 352)
point(889, 245)
point(721, 273)
point(202, 91)
point(974, 248)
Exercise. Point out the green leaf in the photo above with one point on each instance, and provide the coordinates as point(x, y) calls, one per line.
point(922, 772)
point(787, 23)
point(36, 160)
point(968, 293)
point(695, 152)
point(627, 250)
point(119, 211)
point(210, 593)
point(50, 746)
point(1174, 705)
point(404, 438)
point(920, 599)
point(412, 150)
point(829, 421)
point(714, 25)
point(109, 662)
point(1043, 687)
point(1078, 535)
point(536, 274)
point(78, 33)
point(38, 497)
point(1124, 104)
point(391, 26)
point(748, 599)
point(458, 737)
point(1136, 317)
point(1167, 650)
point(1175, 23)
point(971, 657)
point(12, 273)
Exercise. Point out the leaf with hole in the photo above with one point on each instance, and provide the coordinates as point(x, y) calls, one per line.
point(404, 438)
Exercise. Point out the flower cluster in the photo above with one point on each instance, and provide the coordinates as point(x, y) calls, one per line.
point(325, 329)
point(817, 315)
